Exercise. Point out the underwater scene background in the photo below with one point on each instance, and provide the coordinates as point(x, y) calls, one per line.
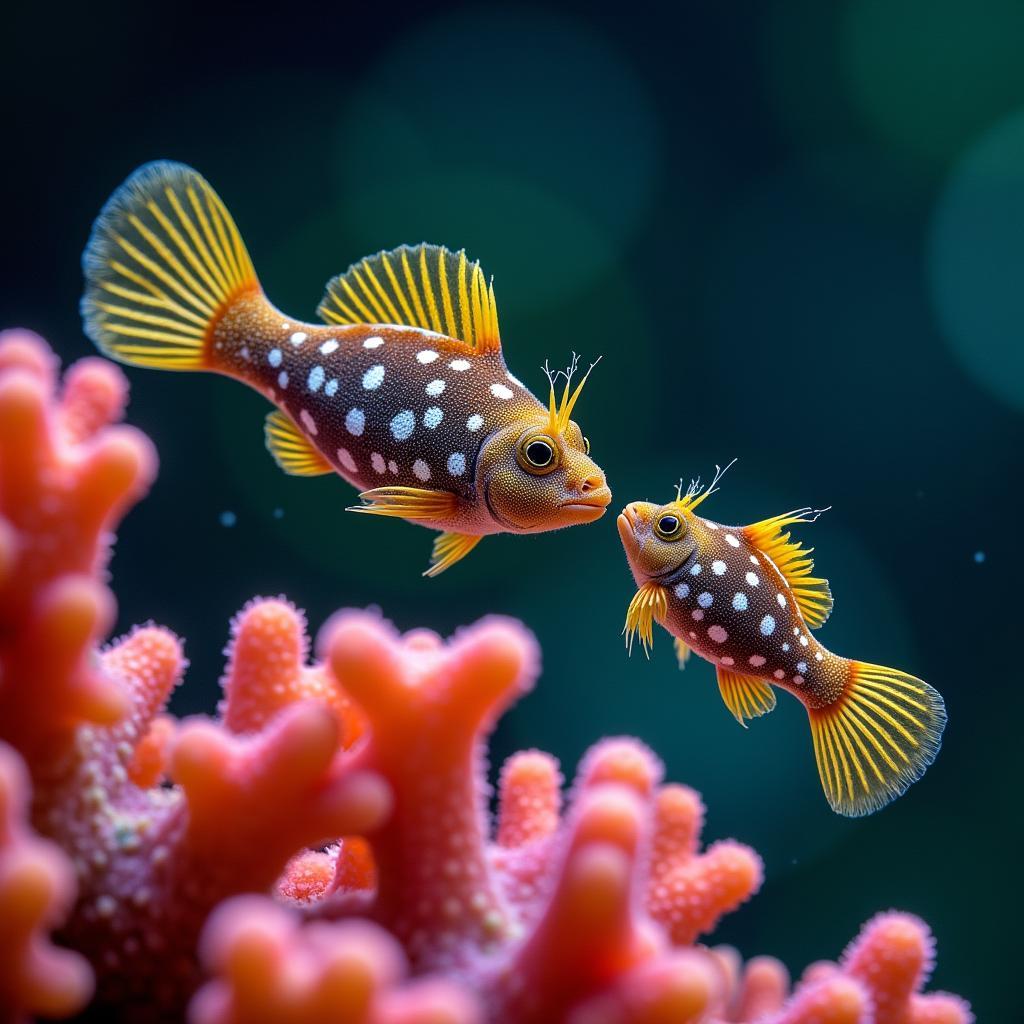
point(794, 231)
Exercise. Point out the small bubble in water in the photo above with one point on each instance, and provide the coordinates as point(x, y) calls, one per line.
point(228, 519)
point(279, 513)
point(979, 557)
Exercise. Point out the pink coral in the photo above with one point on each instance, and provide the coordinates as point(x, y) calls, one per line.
point(322, 847)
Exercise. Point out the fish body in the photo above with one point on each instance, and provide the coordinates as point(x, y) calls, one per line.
point(403, 391)
point(744, 599)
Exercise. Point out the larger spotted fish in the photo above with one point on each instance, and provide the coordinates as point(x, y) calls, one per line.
point(404, 392)
point(743, 598)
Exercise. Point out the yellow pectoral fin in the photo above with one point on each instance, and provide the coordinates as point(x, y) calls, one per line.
point(450, 548)
point(745, 696)
point(793, 560)
point(649, 603)
point(291, 451)
point(407, 503)
point(683, 652)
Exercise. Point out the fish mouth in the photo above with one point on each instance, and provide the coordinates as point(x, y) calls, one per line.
point(626, 522)
point(587, 509)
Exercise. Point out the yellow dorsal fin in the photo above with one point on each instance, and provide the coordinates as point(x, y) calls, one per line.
point(745, 696)
point(450, 548)
point(683, 652)
point(793, 560)
point(420, 286)
point(407, 503)
point(291, 451)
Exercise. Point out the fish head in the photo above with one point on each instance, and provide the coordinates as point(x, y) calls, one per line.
point(535, 478)
point(657, 539)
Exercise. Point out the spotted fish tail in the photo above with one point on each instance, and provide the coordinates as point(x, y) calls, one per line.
point(877, 738)
point(162, 266)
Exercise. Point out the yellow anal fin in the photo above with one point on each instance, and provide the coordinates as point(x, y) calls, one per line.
point(745, 696)
point(793, 560)
point(420, 286)
point(407, 503)
point(877, 739)
point(291, 451)
point(162, 264)
point(683, 652)
point(450, 548)
point(650, 602)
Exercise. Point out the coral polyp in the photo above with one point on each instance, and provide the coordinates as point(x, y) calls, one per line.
point(321, 847)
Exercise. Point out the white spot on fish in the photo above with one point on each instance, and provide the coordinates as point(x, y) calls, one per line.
point(282, 379)
point(475, 422)
point(456, 463)
point(818, 656)
point(274, 357)
point(767, 626)
point(785, 647)
point(757, 660)
point(718, 567)
point(683, 590)
point(710, 525)
point(731, 540)
point(727, 661)
point(421, 470)
point(403, 424)
point(285, 325)
point(316, 378)
point(739, 602)
point(373, 342)
point(345, 458)
point(428, 355)
point(328, 347)
point(393, 467)
point(432, 417)
point(244, 352)
point(435, 388)
point(718, 634)
point(331, 388)
point(753, 559)
point(374, 377)
point(803, 641)
point(696, 615)
point(781, 599)
point(752, 579)
point(779, 674)
point(695, 569)
point(500, 391)
point(298, 338)
point(308, 422)
point(799, 680)
point(705, 600)
point(355, 422)
point(378, 463)
point(460, 364)
point(801, 666)
point(692, 634)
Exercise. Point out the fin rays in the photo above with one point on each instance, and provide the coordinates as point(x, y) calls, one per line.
point(423, 286)
point(745, 696)
point(877, 739)
point(650, 602)
point(164, 259)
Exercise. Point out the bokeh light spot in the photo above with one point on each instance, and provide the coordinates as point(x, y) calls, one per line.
point(928, 74)
point(976, 261)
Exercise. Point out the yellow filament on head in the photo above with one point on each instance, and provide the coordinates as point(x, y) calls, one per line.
point(650, 602)
point(559, 412)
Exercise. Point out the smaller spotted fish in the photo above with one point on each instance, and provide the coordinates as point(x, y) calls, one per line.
point(743, 598)
point(403, 390)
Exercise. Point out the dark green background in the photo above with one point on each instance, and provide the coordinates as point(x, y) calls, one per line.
point(795, 231)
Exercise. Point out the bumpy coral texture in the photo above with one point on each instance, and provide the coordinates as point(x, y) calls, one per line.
point(321, 848)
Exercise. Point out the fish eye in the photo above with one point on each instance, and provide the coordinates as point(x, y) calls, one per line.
point(669, 526)
point(586, 444)
point(537, 454)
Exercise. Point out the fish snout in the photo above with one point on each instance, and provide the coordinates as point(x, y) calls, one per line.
point(628, 522)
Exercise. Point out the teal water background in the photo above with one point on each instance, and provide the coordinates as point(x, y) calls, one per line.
point(795, 232)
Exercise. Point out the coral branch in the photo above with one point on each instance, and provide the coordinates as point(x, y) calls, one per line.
point(333, 817)
point(36, 891)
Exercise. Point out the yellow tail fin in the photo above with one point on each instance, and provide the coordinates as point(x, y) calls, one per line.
point(877, 739)
point(163, 263)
